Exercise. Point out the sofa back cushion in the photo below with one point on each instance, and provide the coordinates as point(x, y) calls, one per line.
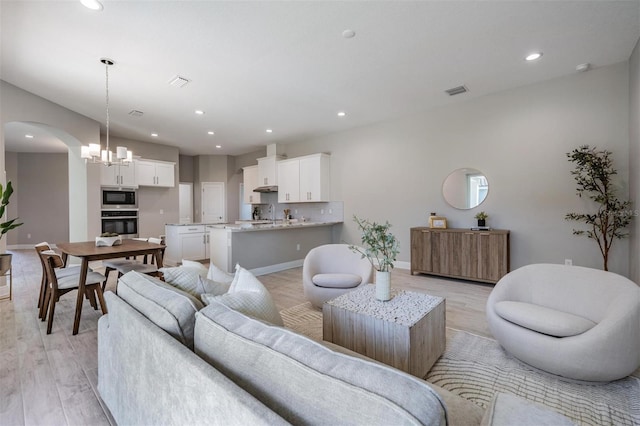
point(306, 382)
point(168, 307)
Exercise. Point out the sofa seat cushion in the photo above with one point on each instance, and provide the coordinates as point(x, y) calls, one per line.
point(337, 280)
point(306, 382)
point(542, 319)
point(170, 308)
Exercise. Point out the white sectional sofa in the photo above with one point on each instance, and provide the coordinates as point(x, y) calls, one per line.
point(244, 371)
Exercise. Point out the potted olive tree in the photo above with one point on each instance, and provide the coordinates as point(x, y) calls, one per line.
point(381, 248)
point(5, 194)
point(593, 174)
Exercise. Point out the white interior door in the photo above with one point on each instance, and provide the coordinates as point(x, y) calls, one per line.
point(213, 202)
point(185, 206)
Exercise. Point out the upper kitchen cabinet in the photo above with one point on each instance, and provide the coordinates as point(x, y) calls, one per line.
point(289, 181)
point(267, 172)
point(117, 175)
point(250, 176)
point(155, 173)
point(304, 179)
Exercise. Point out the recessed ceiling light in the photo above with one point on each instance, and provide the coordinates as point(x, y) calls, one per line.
point(92, 4)
point(28, 136)
point(199, 112)
point(533, 56)
point(155, 135)
point(210, 132)
point(348, 34)
point(269, 131)
point(218, 146)
point(341, 114)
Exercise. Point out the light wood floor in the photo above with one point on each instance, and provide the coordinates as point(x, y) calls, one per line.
point(51, 379)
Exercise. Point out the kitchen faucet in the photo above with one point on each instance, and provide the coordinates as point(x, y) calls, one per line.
point(272, 210)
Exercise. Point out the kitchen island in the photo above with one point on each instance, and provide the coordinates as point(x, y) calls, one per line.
point(267, 247)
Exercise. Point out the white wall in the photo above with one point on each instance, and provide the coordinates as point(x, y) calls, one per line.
point(634, 160)
point(17, 105)
point(518, 138)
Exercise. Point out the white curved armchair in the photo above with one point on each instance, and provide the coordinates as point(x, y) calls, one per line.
point(572, 321)
point(331, 270)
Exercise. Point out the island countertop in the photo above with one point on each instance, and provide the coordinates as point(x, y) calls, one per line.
point(266, 248)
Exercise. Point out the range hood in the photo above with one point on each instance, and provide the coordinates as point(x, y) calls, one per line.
point(267, 170)
point(267, 188)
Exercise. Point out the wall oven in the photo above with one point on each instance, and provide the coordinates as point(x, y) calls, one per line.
point(122, 222)
point(119, 198)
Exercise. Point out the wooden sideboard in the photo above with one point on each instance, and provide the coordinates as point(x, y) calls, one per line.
point(460, 253)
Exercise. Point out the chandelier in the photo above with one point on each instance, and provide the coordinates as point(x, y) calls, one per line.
point(93, 152)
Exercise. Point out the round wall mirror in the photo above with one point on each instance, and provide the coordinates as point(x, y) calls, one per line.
point(465, 188)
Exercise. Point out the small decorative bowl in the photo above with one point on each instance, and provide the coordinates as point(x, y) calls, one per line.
point(108, 241)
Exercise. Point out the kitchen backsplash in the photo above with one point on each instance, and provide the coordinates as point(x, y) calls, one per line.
point(332, 211)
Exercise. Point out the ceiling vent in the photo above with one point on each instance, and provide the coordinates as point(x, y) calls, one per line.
point(178, 81)
point(457, 90)
point(136, 113)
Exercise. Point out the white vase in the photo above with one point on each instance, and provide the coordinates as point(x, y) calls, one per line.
point(383, 286)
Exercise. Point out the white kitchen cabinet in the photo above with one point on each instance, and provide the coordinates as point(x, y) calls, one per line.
point(155, 173)
point(314, 178)
point(289, 181)
point(250, 177)
point(267, 171)
point(116, 175)
point(304, 179)
point(185, 242)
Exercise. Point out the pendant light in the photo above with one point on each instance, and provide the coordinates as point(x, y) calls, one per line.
point(93, 152)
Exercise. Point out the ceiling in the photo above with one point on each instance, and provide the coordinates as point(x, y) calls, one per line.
point(286, 65)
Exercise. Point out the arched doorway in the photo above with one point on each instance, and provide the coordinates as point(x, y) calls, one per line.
point(47, 160)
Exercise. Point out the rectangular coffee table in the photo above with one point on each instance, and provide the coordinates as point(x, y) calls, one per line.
point(406, 332)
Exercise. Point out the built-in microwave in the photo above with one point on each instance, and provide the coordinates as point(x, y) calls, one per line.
point(119, 198)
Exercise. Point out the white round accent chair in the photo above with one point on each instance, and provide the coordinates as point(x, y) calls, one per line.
point(331, 270)
point(575, 322)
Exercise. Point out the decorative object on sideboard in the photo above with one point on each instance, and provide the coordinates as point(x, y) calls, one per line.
point(5, 258)
point(465, 188)
point(93, 152)
point(108, 239)
point(438, 222)
point(381, 249)
point(594, 178)
point(482, 219)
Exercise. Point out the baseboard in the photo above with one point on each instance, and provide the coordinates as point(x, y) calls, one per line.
point(24, 246)
point(277, 267)
point(402, 265)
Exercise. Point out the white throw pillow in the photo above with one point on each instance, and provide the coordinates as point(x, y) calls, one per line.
point(211, 288)
point(185, 278)
point(249, 296)
point(218, 275)
point(194, 264)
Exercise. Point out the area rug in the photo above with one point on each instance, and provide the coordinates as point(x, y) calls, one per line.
point(476, 368)
point(304, 319)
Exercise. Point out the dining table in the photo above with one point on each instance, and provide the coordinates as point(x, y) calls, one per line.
point(87, 251)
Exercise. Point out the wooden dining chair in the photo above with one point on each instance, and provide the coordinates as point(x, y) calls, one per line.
point(57, 286)
point(62, 272)
point(146, 266)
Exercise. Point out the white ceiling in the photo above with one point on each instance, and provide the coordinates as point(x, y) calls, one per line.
point(286, 65)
